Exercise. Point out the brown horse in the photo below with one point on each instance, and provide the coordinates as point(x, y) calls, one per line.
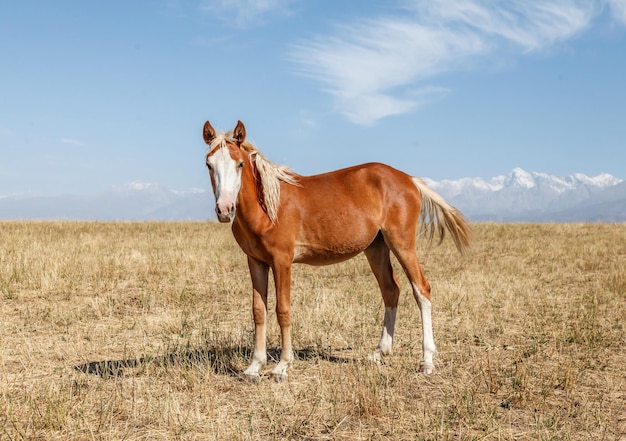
point(280, 218)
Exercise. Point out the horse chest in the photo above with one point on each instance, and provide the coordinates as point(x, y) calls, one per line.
point(253, 248)
point(258, 246)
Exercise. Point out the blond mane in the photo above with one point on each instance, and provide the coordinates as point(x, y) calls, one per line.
point(220, 140)
point(268, 174)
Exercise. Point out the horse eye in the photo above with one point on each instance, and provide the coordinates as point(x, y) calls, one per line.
point(209, 166)
point(240, 165)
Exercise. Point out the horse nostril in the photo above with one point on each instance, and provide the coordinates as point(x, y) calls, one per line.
point(225, 210)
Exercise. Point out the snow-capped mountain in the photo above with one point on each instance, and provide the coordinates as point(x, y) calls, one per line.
point(523, 195)
point(517, 196)
point(519, 178)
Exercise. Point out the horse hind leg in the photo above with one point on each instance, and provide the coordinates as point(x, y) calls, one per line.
point(422, 297)
point(379, 259)
point(403, 247)
point(421, 293)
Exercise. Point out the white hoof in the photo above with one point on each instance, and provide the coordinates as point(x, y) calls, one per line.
point(279, 378)
point(375, 357)
point(252, 373)
point(427, 367)
point(279, 373)
point(253, 377)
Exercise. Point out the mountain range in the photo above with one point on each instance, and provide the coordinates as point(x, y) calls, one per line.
point(537, 197)
point(519, 196)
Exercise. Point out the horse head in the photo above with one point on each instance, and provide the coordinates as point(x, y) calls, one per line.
point(225, 161)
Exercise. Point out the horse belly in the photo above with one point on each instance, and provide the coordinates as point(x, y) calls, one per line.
point(326, 251)
point(321, 257)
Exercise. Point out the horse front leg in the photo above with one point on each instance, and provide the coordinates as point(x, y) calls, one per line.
point(379, 259)
point(259, 272)
point(282, 278)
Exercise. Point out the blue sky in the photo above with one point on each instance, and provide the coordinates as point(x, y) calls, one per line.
point(98, 94)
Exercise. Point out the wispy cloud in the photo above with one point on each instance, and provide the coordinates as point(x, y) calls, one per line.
point(618, 9)
point(371, 59)
point(244, 13)
point(529, 24)
point(370, 65)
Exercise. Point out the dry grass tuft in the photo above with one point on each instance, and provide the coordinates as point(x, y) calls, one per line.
point(141, 331)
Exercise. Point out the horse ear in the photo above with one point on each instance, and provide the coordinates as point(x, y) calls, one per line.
point(208, 132)
point(240, 133)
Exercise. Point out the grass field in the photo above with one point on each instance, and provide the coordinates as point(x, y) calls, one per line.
point(140, 331)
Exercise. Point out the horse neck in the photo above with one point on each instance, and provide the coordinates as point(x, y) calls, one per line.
point(250, 213)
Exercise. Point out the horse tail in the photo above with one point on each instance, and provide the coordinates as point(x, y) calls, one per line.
point(437, 214)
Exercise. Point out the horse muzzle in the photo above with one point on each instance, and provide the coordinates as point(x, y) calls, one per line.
point(225, 212)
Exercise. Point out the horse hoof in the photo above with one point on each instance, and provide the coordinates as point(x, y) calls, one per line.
point(253, 377)
point(279, 374)
point(375, 357)
point(279, 377)
point(427, 367)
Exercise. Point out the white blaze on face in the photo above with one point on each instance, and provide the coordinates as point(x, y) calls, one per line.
point(226, 175)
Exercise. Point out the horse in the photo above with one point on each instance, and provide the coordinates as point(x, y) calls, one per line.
point(279, 218)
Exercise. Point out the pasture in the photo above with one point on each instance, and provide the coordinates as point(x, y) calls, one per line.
point(140, 331)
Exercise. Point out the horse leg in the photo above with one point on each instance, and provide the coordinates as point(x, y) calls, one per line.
point(378, 257)
point(421, 293)
point(282, 279)
point(404, 249)
point(259, 272)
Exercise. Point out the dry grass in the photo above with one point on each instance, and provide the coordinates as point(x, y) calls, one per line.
point(135, 331)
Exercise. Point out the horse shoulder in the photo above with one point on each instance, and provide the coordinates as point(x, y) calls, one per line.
point(266, 241)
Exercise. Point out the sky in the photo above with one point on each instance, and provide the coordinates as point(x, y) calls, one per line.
point(99, 94)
